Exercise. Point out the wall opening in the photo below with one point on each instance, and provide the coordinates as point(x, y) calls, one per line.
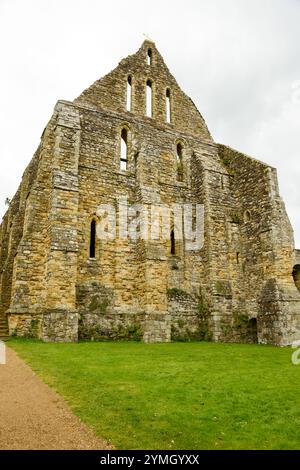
point(252, 330)
point(93, 239)
point(247, 216)
point(238, 258)
point(179, 155)
point(149, 57)
point(129, 94)
point(124, 150)
point(296, 275)
point(149, 99)
point(173, 244)
point(168, 106)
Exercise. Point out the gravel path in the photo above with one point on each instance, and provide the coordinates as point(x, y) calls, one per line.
point(32, 416)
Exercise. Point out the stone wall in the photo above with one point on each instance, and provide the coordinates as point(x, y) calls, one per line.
point(266, 249)
point(109, 93)
point(38, 242)
point(238, 287)
point(98, 318)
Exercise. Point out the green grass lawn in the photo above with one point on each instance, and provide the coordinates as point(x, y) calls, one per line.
point(178, 395)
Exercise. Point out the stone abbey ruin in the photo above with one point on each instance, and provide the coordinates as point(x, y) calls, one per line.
point(60, 282)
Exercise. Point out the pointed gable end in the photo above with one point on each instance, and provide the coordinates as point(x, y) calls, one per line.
point(142, 85)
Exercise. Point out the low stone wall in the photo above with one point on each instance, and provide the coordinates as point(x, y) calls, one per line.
point(56, 326)
point(157, 328)
point(114, 326)
point(25, 325)
point(60, 326)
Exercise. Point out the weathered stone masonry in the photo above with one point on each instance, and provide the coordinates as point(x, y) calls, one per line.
point(241, 286)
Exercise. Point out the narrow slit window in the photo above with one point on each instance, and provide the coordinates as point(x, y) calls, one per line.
point(129, 94)
point(179, 150)
point(149, 99)
point(149, 57)
point(93, 239)
point(173, 245)
point(124, 150)
point(168, 106)
point(238, 258)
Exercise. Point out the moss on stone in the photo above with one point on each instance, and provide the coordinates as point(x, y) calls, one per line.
point(235, 217)
point(176, 293)
point(98, 304)
point(33, 328)
point(223, 288)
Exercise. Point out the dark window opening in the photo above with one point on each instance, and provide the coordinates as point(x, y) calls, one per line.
point(252, 331)
point(296, 275)
point(149, 57)
point(237, 258)
point(172, 238)
point(93, 239)
point(179, 162)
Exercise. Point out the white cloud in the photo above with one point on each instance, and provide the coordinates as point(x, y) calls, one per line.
point(236, 59)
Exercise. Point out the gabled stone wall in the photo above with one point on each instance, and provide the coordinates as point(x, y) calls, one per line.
point(237, 287)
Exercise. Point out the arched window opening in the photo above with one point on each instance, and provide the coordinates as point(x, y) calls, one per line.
point(124, 150)
point(93, 239)
point(168, 106)
point(149, 57)
point(149, 99)
point(296, 275)
point(173, 244)
point(247, 216)
point(179, 151)
point(129, 93)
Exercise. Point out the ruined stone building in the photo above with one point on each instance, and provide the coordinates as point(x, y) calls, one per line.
point(60, 282)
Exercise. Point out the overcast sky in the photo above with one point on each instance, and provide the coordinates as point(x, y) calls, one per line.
point(239, 60)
